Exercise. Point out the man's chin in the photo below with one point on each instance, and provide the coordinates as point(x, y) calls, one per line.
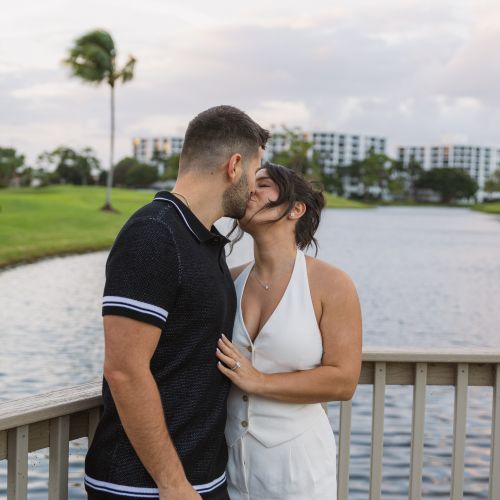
point(246, 214)
point(237, 215)
point(242, 216)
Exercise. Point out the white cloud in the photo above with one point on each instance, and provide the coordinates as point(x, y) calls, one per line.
point(277, 113)
point(415, 72)
point(47, 90)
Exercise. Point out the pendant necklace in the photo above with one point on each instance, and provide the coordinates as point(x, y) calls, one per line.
point(265, 286)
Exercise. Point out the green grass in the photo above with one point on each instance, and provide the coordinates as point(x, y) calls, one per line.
point(490, 208)
point(57, 220)
point(411, 203)
point(333, 201)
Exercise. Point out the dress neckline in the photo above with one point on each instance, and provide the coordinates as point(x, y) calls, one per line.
point(240, 299)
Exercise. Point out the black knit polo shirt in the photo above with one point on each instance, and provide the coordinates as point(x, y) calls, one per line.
point(167, 269)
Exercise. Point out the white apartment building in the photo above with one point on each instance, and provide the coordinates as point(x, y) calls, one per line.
point(146, 149)
point(478, 161)
point(343, 149)
point(280, 141)
point(333, 148)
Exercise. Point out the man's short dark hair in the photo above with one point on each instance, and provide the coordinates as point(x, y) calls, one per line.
point(216, 134)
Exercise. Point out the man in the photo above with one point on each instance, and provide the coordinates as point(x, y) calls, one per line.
point(168, 298)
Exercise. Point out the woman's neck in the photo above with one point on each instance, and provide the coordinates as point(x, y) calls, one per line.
point(273, 255)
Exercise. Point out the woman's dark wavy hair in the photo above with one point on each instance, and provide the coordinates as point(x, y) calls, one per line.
point(292, 188)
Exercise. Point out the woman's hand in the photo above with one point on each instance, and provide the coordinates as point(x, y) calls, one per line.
point(244, 375)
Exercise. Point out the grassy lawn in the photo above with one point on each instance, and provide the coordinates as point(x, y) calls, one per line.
point(490, 208)
point(55, 220)
point(333, 201)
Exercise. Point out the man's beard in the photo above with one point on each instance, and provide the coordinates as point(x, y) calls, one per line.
point(235, 199)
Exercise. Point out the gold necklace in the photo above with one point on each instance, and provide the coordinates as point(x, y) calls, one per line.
point(183, 197)
point(265, 286)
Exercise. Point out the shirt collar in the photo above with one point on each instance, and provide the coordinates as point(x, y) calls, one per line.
point(195, 226)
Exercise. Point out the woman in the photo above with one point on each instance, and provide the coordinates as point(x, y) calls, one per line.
point(296, 343)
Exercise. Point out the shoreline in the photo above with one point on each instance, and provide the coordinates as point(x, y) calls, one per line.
point(67, 252)
point(38, 224)
point(492, 208)
point(24, 261)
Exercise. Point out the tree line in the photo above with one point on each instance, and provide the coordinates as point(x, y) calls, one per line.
point(368, 179)
point(65, 165)
point(377, 175)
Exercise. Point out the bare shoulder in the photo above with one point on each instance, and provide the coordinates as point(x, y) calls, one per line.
point(327, 279)
point(236, 271)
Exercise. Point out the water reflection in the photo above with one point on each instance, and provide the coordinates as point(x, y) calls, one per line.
point(50, 325)
point(426, 277)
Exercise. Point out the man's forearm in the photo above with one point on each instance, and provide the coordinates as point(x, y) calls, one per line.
point(139, 406)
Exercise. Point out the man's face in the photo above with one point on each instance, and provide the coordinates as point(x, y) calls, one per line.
point(257, 212)
point(235, 199)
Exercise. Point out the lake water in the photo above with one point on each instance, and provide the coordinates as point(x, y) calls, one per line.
point(425, 276)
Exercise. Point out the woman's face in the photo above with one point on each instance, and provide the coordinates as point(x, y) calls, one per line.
point(266, 190)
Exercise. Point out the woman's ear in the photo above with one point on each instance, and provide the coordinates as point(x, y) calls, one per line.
point(298, 210)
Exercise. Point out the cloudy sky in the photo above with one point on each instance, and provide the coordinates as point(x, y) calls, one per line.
point(414, 71)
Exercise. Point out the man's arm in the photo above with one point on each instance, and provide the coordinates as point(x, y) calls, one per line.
point(129, 346)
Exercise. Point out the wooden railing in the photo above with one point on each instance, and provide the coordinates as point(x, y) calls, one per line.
point(46, 421)
point(52, 420)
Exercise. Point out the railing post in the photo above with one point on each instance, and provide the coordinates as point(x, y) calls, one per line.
point(417, 433)
point(495, 438)
point(17, 463)
point(58, 458)
point(459, 430)
point(377, 431)
point(344, 450)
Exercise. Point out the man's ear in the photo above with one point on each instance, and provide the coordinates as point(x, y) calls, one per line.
point(234, 165)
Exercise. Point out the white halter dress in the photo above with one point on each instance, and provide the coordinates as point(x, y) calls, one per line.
point(279, 450)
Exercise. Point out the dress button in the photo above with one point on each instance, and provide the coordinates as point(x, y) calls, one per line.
point(244, 423)
point(245, 397)
point(249, 348)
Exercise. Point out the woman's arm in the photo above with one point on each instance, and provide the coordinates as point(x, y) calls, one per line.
point(337, 377)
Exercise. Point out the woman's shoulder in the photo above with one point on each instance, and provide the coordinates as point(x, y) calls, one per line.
point(327, 277)
point(237, 270)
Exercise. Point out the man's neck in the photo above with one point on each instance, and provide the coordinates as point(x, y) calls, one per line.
point(201, 200)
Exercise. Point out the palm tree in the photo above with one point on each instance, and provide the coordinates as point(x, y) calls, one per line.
point(93, 59)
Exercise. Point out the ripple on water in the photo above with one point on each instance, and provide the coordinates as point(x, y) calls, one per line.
point(425, 277)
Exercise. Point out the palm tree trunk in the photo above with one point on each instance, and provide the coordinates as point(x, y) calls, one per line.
point(107, 205)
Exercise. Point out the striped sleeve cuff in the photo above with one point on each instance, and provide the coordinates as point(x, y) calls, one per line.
point(134, 309)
